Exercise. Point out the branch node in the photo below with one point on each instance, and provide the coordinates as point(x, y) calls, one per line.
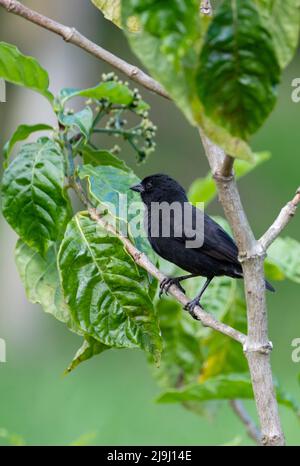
point(224, 179)
point(264, 348)
point(68, 35)
point(134, 72)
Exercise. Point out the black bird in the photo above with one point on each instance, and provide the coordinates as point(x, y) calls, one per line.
point(218, 254)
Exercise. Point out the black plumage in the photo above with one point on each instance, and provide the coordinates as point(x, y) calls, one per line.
point(218, 254)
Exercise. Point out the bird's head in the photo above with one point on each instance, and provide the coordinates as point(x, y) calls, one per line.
point(160, 188)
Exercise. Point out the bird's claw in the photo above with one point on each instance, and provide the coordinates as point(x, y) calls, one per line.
point(166, 285)
point(190, 306)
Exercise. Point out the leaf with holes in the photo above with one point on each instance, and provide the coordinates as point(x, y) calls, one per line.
point(33, 198)
point(106, 291)
point(23, 70)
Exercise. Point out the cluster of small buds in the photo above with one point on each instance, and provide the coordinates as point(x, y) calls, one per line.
point(109, 77)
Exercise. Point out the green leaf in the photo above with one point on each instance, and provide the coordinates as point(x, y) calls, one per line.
point(102, 158)
point(82, 120)
point(40, 278)
point(204, 189)
point(236, 85)
point(283, 22)
point(169, 43)
point(114, 92)
point(22, 133)
point(223, 387)
point(33, 198)
point(110, 187)
point(106, 291)
point(224, 355)
point(23, 70)
point(273, 271)
point(111, 10)
point(284, 253)
point(89, 348)
point(182, 355)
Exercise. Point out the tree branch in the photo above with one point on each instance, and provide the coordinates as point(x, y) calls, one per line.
point(70, 34)
point(284, 217)
point(241, 412)
point(257, 348)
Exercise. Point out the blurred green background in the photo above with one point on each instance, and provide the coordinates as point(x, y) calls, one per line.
point(110, 399)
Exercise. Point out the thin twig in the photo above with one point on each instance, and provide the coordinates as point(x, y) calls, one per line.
point(284, 217)
point(241, 412)
point(70, 34)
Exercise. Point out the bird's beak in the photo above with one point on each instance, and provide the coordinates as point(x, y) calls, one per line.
point(138, 188)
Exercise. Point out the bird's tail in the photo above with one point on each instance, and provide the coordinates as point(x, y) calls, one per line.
point(269, 286)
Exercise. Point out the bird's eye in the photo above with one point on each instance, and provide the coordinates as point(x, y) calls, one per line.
point(149, 185)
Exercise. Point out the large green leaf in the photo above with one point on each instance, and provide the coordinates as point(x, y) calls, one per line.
point(283, 22)
point(40, 278)
point(106, 291)
point(236, 84)
point(41, 281)
point(96, 158)
point(113, 91)
point(169, 43)
point(182, 355)
point(23, 70)
point(284, 253)
point(223, 387)
point(110, 187)
point(204, 189)
point(22, 133)
point(33, 198)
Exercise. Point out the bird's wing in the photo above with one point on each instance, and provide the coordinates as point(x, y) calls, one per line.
point(217, 243)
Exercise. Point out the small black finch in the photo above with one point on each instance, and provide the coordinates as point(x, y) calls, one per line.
point(218, 254)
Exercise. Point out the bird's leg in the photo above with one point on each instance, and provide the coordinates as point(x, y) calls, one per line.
point(168, 282)
point(196, 301)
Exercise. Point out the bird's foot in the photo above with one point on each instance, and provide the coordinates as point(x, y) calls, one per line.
point(167, 283)
point(190, 306)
